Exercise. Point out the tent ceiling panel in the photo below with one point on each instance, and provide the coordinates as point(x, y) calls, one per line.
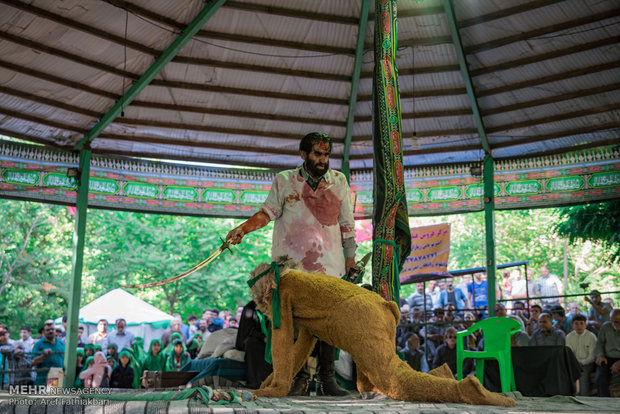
point(262, 73)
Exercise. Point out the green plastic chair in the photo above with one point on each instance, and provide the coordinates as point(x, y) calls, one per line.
point(496, 332)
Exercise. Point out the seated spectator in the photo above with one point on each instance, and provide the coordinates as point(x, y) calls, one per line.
point(155, 359)
point(178, 357)
point(500, 310)
point(112, 351)
point(520, 338)
point(583, 344)
point(518, 309)
point(252, 338)
point(414, 356)
point(573, 310)
point(546, 334)
point(434, 331)
point(98, 375)
point(123, 374)
point(473, 340)
point(86, 382)
point(232, 323)
point(599, 311)
point(532, 324)
point(446, 353)
point(608, 353)
point(560, 321)
point(79, 362)
point(194, 345)
point(111, 362)
point(89, 351)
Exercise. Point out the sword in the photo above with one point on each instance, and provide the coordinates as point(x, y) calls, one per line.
point(205, 262)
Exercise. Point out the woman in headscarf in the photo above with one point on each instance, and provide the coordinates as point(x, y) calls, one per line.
point(99, 374)
point(89, 350)
point(178, 357)
point(112, 351)
point(156, 359)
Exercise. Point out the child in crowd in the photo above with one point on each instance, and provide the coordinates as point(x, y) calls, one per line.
point(97, 375)
point(583, 343)
point(178, 357)
point(112, 351)
point(123, 374)
point(414, 356)
point(156, 359)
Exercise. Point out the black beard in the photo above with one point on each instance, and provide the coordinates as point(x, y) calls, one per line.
point(315, 172)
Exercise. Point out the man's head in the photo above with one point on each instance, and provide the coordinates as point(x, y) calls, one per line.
point(500, 310)
point(3, 338)
point(558, 313)
point(442, 284)
point(518, 306)
point(49, 332)
point(232, 323)
point(478, 276)
point(439, 313)
point(192, 319)
point(413, 342)
point(59, 332)
point(579, 323)
point(544, 271)
point(573, 308)
point(24, 333)
point(175, 325)
point(315, 149)
point(202, 325)
point(449, 337)
point(450, 283)
point(595, 296)
point(419, 287)
point(614, 318)
point(536, 311)
point(545, 322)
point(517, 274)
point(102, 326)
point(120, 324)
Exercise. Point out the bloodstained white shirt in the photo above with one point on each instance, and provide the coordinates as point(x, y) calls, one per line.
point(311, 225)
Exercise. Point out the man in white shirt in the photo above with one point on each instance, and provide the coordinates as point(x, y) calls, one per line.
point(26, 339)
point(583, 344)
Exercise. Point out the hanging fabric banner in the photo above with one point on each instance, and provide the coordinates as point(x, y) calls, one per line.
point(391, 237)
point(430, 250)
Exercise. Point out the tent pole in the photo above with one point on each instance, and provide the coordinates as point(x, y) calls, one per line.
point(489, 226)
point(355, 80)
point(77, 265)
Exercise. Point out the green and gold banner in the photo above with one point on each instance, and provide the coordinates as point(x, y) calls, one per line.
point(37, 173)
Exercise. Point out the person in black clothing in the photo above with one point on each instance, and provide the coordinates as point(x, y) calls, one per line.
point(252, 339)
point(122, 376)
point(446, 353)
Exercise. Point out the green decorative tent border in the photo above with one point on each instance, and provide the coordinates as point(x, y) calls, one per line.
point(38, 173)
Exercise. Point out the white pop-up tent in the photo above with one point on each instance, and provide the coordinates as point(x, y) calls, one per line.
point(143, 319)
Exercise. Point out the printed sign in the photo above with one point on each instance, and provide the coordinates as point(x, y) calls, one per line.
point(430, 250)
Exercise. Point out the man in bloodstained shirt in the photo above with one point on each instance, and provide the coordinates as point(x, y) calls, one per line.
point(313, 224)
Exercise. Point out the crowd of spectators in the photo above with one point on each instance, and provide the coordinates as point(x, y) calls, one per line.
point(108, 357)
point(432, 315)
point(426, 335)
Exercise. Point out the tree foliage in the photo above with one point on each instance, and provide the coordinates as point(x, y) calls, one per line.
point(597, 222)
point(130, 248)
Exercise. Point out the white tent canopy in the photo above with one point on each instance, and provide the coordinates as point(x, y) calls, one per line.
point(143, 319)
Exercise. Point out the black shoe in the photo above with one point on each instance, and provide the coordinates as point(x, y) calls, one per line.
point(329, 387)
point(300, 387)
